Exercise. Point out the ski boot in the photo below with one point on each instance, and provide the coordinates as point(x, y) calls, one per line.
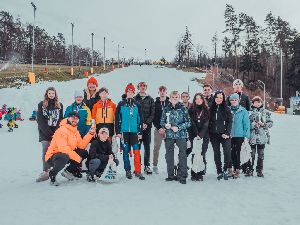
point(147, 170)
point(140, 176)
point(128, 175)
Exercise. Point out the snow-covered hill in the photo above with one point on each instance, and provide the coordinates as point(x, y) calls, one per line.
point(272, 200)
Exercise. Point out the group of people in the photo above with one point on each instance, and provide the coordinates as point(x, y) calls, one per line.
point(11, 115)
point(89, 126)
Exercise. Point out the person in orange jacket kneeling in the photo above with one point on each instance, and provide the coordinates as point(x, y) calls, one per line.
point(66, 147)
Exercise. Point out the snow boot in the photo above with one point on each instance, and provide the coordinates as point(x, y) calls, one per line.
point(90, 178)
point(155, 169)
point(68, 175)
point(220, 176)
point(260, 173)
point(128, 175)
point(147, 170)
point(53, 181)
point(43, 176)
point(140, 176)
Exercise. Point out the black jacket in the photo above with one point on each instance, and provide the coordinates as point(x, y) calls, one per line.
point(147, 108)
point(244, 100)
point(92, 101)
point(48, 120)
point(199, 126)
point(159, 107)
point(209, 100)
point(220, 120)
point(100, 150)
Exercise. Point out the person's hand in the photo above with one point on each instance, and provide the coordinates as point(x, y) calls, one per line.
point(111, 156)
point(119, 136)
point(168, 126)
point(225, 136)
point(92, 131)
point(175, 129)
point(161, 131)
point(140, 137)
point(145, 126)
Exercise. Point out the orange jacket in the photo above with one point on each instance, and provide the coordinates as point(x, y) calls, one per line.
point(65, 140)
point(104, 112)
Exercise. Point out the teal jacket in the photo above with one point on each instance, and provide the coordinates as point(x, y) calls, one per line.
point(84, 112)
point(240, 122)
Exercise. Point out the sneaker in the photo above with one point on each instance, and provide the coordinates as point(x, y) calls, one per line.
point(182, 181)
point(220, 176)
point(155, 169)
point(260, 173)
point(140, 176)
point(148, 170)
point(128, 174)
point(248, 172)
point(43, 176)
point(236, 174)
point(67, 174)
point(231, 172)
point(77, 174)
point(53, 181)
point(90, 178)
point(98, 174)
point(225, 175)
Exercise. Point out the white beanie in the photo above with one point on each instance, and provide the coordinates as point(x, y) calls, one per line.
point(238, 81)
point(78, 94)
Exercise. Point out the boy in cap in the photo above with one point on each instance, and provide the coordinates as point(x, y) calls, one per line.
point(100, 153)
point(128, 127)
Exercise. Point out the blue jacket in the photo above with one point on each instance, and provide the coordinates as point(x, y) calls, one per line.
point(84, 112)
point(128, 117)
point(178, 117)
point(240, 122)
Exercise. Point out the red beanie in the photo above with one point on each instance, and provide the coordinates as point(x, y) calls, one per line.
point(130, 87)
point(92, 80)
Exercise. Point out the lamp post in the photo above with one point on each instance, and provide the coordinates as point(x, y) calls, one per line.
point(33, 44)
point(281, 74)
point(104, 55)
point(145, 56)
point(92, 55)
point(72, 50)
point(264, 85)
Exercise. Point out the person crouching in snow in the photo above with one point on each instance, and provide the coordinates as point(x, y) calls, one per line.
point(128, 127)
point(260, 120)
point(176, 120)
point(240, 132)
point(66, 147)
point(99, 154)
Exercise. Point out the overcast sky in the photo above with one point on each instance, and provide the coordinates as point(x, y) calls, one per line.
point(138, 24)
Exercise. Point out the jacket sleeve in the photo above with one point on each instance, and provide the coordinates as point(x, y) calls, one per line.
point(228, 123)
point(118, 119)
point(269, 121)
point(105, 156)
point(246, 124)
point(152, 113)
point(83, 142)
point(139, 119)
point(163, 119)
point(43, 122)
point(186, 123)
point(93, 151)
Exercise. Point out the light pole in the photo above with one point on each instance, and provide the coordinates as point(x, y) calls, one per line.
point(72, 51)
point(281, 74)
point(264, 85)
point(104, 55)
point(92, 69)
point(118, 55)
point(33, 45)
point(145, 55)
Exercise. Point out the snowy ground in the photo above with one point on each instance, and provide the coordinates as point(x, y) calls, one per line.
point(272, 200)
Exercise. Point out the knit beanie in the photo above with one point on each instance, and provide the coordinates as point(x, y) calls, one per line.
point(92, 80)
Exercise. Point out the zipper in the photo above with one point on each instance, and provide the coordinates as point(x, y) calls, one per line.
point(217, 118)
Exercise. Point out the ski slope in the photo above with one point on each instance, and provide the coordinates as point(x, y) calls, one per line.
point(274, 200)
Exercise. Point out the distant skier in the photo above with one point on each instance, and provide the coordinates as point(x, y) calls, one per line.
point(10, 117)
point(99, 154)
point(67, 146)
point(33, 115)
point(261, 122)
point(128, 127)
point(49, 115)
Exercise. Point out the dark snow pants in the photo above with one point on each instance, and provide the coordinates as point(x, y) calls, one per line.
point(260, 159)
